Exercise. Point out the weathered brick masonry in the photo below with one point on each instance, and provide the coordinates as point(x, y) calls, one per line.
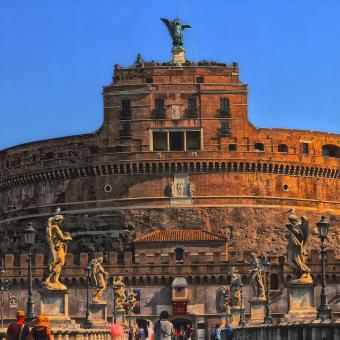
point(161, 121)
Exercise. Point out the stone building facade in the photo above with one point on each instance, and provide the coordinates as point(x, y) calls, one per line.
point(176, 151)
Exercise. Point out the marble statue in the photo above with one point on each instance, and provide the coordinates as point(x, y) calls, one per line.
point(235, 290)
point(99, 278)
point(176, 31)
point(120, 297)
point(131, 301)
point(296, 249)
point(256, 275)
point(57, 242)
point(225, 290)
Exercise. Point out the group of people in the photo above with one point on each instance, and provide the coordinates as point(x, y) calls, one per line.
point(215, 333)
point(38, 330)
point(165, 330)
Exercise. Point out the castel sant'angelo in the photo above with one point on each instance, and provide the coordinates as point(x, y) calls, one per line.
point(175, 155)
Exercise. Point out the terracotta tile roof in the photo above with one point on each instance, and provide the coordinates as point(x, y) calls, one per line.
point(179, 236)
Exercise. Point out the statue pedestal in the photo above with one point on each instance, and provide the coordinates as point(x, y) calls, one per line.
point(120, 317)
point(54, 305)
point(301, 302)
point(98, 313)
point(178, 55)
point(235, 316)
point(257, 310)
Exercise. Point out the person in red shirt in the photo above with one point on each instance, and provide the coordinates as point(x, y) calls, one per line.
point(18, 330)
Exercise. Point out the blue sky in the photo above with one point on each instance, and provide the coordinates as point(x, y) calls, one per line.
point(56, 56)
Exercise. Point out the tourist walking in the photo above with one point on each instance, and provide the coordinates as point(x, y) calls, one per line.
point(151, 332)
point(18, 330)
point(40, 329)
point(229, 333)
point(218, 331)
point(164, 329)
point(188, 332)
point(212, 333)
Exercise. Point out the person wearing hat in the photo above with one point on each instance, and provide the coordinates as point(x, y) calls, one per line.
point(40, 329)
point(18, 330)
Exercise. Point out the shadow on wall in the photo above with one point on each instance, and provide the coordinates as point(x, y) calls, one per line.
point(162, 297)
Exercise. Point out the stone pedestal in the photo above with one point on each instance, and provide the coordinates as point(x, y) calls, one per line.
point(235, 316)
point(98, 313)
point(301, 302)
point(178, 55)
point(120, 317)
point(54, 305)
point(257, 310)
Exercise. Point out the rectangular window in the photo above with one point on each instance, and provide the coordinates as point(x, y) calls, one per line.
point(159, 140)
point(126, 130)
point(176, 140)
point(225, 129)
point(224, 107)
point(199, 80)
point(159, 107)
point(126, 107)
point(233, 147)
point(192, 109)
point(193, 140)
point(305, 148)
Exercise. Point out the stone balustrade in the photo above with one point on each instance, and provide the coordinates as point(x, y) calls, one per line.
point(316, 330)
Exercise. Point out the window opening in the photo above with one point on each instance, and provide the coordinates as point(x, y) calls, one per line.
point(193, 140)
point(305, 148)
point(330, 150)
point(282, 148)
point(160, 142)
point(159, 107)
point(126, 130)
point(176, 140)
point(258, 147)
point(225, 129)
point(199, 80)
point(126, 108)
point(192, 108)
point(233, 147)
point(179, 254)
point(224, 107)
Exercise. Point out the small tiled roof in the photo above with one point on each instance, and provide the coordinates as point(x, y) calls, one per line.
point(188, 235)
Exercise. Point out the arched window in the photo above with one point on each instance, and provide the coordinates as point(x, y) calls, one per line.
point(282, 148)
point(179, 254)
point(258, 147)
point(274, 282)
point(330, 150)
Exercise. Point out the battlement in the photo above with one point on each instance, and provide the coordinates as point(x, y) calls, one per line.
point(152, 269)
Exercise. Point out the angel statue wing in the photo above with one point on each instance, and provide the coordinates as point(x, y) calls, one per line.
point(185, 26)
point(53, 254)
point(169, 25)
point(93, 271)
point(305, 229)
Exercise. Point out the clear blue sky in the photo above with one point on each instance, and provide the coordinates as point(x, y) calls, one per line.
point(56, 56)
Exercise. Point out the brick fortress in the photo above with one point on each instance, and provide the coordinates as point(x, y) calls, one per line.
point(176, 151)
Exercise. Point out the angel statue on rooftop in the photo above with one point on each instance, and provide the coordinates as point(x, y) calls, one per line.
point(296, 250)
point(56, 241)
point(176, 31)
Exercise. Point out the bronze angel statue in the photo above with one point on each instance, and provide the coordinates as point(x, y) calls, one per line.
point(176, 31)
point(56, 240)
point(296, 249)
